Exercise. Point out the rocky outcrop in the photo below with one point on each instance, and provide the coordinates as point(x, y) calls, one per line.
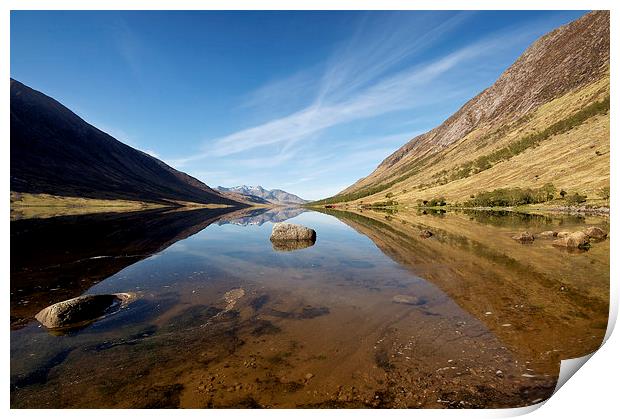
point(81, 310)
point(291, 232)
point(577, 240)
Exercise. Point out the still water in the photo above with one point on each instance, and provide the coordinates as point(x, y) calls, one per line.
point(372, 315)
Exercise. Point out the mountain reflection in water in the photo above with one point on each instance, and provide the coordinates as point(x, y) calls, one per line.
point(372, 315)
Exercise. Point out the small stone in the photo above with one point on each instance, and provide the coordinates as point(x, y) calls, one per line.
point(409, 299)
point(524, 237)
point(308, 376)
point(547, 234)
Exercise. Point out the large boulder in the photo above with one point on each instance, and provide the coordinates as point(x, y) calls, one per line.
point(577, 240)
point(547, 234)
point(288, 232)
point(524, 237)
point(595, 233)
point(81, 310)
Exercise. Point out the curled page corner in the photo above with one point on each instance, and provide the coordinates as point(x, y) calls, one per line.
point(568, 367)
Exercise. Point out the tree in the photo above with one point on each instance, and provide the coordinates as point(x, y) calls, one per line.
point(576, 198)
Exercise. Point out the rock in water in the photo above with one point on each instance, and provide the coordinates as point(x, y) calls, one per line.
point(563, 234)
point(595, 233)
point(290, 245)
point(288, 231)
point(548, 234)
point(81, 310)
point(409, 299)
point(232, 296)
point(524, 237)
point(578, 240)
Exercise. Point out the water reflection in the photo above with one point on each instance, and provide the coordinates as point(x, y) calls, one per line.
point(260, 216)
point(372, 315)
point(55, 259)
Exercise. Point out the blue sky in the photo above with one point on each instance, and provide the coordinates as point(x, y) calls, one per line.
point(308, 102)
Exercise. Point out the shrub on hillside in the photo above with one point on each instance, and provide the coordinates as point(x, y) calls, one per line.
point(575, 199)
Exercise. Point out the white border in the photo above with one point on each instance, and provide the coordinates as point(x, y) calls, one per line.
point(592, 393)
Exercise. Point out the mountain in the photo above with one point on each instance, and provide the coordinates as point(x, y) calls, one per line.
point(54, 151)
point(545, 120)
point(273, 196)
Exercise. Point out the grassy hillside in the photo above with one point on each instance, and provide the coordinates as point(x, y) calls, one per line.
point(544, 122)
point(564, 142)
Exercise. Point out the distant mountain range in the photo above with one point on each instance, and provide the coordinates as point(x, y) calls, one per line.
point(54, 151)
point(544, 121)
point(258, 194)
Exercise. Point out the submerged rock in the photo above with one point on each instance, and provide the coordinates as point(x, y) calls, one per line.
point(547, 234)
point(595, 233)
point(288, 231)
point(290, 245)
point(409, 299)
point(232, 296)
point(524, 237)
point(577, 240)
point(81, 310)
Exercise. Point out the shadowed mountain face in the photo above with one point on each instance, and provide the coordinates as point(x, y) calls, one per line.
point(59, 258)
point(259, 194)
point(54, 151)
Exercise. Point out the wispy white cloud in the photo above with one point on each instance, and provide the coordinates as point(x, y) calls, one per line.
point(389, 94)
point(361, 82)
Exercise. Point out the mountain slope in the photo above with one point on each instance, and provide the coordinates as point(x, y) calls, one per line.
point(273, 196)
point(480, 147)
point(54, 151)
